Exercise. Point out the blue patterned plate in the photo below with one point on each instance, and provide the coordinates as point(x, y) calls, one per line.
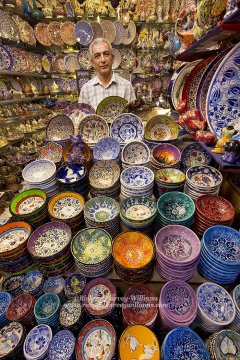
point(106, 149)
point(127, 127)
point(83, 32)
point(62, 346)
point(101, 209)
point(222, 105)
point(6, 59)
point(194, 154)
point(171, 84)
point(137, 177)
point(37, 341)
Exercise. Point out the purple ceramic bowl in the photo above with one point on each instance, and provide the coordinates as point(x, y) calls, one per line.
point(166, 154)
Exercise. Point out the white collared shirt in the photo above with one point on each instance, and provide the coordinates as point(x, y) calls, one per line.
point(93, 92)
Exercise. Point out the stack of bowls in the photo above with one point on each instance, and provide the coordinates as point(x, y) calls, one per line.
point(22, 309)
point(62, 346)
point(174, 208)
point(212, 210)
point(103, 212)
point(74, 285)
point(12, 284)
point(216, 309)
point(33, 283)
point(177, 305)
point(220, 260)
point(165, 156)
point(135, 153)
point(47, 309)
point(139, 306)
point(133, 254)
point(92, 251)
point(72, 315)
point(107, 149)
point(49, 247)
point(167, 180)
point(67, 207)
point(137, 181)
point(138, 214)
point(55, 285)
point(12, 338)
point(5, 299)
point(30, 206)
point(104, 179)
point(235, 325)
point(36, 343)
point(41, 174)
point(14, 257)
point(202, 180)
point(73, 177)
point(177, 252)
point(224, 344)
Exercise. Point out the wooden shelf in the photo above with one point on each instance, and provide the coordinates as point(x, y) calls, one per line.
point(19, 119)
point(36, 75)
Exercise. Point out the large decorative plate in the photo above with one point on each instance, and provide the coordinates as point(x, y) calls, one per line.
point(97, 29)
point(109, 30)
point(120, 32)
point(71, 63)
point(41, 33)
point(117, 59)
point(222, 105)
point(60, 128)
point(172, 81)
point(67, 33)
point(180, 81)
point(92, 128)
point(83, 32)
point(130, 33)
point(11, 336)
point(161, 127)
point(54, 33)
point(84, 59)
point(127, 127)
point(8, 28)
point(110, 107)
point(26, 32)
point(128, 59)
point(62, 346)
point(6, 58)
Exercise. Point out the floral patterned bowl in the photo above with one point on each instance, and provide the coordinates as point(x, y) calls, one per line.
point(13, 238)
point(137, 177)
point(66, 205)
point(170, 176)
point(104, 174)
point(204, 177)
point(176, 207)
point(106, 149)
point(74, 285)
point(101, 209)
point(46, 308)
point(138, 210)
point(28, 203)
point(135, 153)
point(161, 127)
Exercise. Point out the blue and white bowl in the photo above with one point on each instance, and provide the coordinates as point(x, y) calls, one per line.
point(127, 127)
point(36, 343)
point(5, 299)
point(137, 181)
point(62, 346)
point(107, 149)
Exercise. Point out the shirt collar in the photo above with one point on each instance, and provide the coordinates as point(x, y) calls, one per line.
point(113, 80)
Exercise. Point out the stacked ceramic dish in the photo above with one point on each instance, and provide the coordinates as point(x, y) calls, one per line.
point(166, 180)
point(14, 257)
point(177, 305)
point(21, 309)
point(165, 156)
point(41, 174)
point(30, 206)
point(194, 155)
point(126, 127)
point(137, 181)
point(55, 285)
point(47, 309)
point(73, 177)
point(177, 252)
point(135, 153)
point(67, 207)
point(59, 129)
point(74, 285)
point(212, 210)
point(235, 325)
point(12, 338)
point(216, 309)
point(12, 285)
point(104, 179)
point(160, 129)
point(174, 208)
point(33, 283)
point(62, 346)
point(133, 254)
point(222, 343)
point(202, 180)
point(92, 251)
point(103, 212)
point(36, 344)
point(139, 306)
point(138, 214)
point(5, 299)
point(107, 149)
point(220, 261)
point(72, 315)
point(189, 345)
point(93, 128)
point(49, 247)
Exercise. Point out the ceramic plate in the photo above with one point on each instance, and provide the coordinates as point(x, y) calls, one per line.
point(109, 30)
point(128, 59)
point(71, 63)
point(92, 128)
point(26, 32)
point(41, 33)
point(127, 127)
point(51, 151)
point(6, 58)
point(172, 81)
point(67, 33)
point(84, 59)
point(8, 28)
point(60, 128)
point(97, 29)
point(54, 33)
point(38, 171)
point(83, 32)
point(120, 32)
point(117, 59)
point(130, 33)
point(110, 107)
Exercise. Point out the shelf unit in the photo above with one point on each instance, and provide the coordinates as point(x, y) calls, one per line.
point(36, 75)
point(19, 119)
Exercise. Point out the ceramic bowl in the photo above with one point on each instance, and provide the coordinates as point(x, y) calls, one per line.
point(33, 283)
point(166, 154)
point(104, 174)
point(14, 237)
point(71, 314)
point(37, 342)
point(39, 171)
point(101, 209)
point(71, 173)
point(138, 210)
point(20, 307)
point(194, 154)
point(5, 300)
point(170, 177)
point(66, 205)
point(137, 177)
point(15, 334)
point(62, 346)
point(46, 307)
point(215, 208)
point(28, 203)
point(60, 128)
point(74, 285)
point(135, 153)
point(161, 127)
point(106, 149)
point(204, 177)
point(12, 284)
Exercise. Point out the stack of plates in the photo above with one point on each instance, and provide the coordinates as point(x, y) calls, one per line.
point(55, 285)
point(216, 309)
point(104, 179)
point(183, 343)
point(103, 212)
point(220, 260)
point(72, 315)
point(12, 337)
point(62, 346)
point(177, 304)
point(67, 207)
point(5, 299)
point(107, 149)
point(73, 177)
point(14, 257)
point(166, 180)
point(202, 180)
point(74, 285)
point(12, 284)
point(47, 309)
point(177, 252)
point(133, 254)
point(137, 181)
point(41, 174)
point(49, 247)
point(92, 251)
point(135, 153)
point(224, 344)
point(174, 208)
point(138, 214)
point(127, 127)
point(30, 206)
point(36, 343)
point(235, 325)
point(33, 283)
point(212, 210)
point(139, 306)
point(21, 309)
point(165, 156)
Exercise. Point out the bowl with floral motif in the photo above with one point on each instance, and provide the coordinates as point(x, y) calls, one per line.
point(161, 127)
point(66, 206)
point(12, 284)
point(104, 174)
point(137, 177)
point(101, 209)
point(74, 285)
point(166, 155)
point(170, 177)
point(47, 308)
point(5, 300)
point(138, 210)
point(33, 283)
point(204, 177)
point(135, 153)
point(13, 238)
point(28, 203)
point(37, 342)
point(62, 346)
point(175, 207)
point(106, 148)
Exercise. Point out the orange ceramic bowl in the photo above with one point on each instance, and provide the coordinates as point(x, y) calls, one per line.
point(66, 206)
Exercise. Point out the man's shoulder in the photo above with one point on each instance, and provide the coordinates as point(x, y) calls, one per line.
point(122, 80)
point(90, 82)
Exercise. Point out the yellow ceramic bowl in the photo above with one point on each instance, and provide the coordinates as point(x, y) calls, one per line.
point(66, 205)
point(161, 128)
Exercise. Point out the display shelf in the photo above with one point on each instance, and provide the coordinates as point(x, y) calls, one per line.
point(36, 75)
point(19, 119)
point(33, 98)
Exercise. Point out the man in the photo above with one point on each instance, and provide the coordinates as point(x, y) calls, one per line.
point(105, 83)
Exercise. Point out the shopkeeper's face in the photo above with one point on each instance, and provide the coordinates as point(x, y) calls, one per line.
point(102, 59)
